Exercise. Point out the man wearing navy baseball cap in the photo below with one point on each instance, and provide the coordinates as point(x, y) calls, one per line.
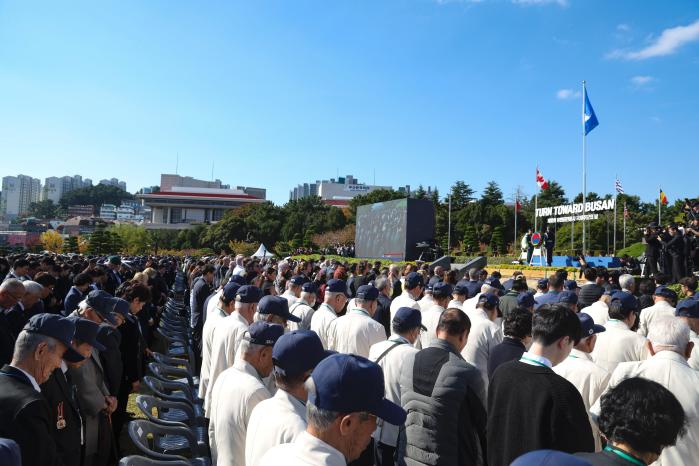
point(275, 309)
point(40, 347)
point(356, 331)
point(345, 398)
point(225, 305)
point(580, 370)
point(303, 307)
point(282, 418)
point(688, 311)
point(619, 343)
point(293, 289)
point(390, 355)
point(664, 299)
point(412, 290)
point(237, 391)
point(229, 333)
point(441, 294)
point(334, 301)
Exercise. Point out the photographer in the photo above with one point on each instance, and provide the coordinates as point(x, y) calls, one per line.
point(691, 238)
point(653, 247)
point(674, 247)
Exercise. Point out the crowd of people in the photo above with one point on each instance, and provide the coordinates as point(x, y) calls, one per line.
point(75, 334)
point(334, 363)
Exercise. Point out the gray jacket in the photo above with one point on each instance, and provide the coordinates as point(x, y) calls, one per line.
point(445, 401)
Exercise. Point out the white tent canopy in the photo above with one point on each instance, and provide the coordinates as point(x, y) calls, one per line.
point(262, 251)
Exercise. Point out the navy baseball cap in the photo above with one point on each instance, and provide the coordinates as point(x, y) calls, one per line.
point(102, 303)
point(567, 297)
point(627, 300)
point(249, 294)
point(298, 280)
point(461, 288)
point(347, 383)
point(57, 327)
point(588, 325)
point(278, 306)
point(264, 333)
point(489, 299)
point(688, 308)
point(230, 290)
point(494, 282)
point(407, 318)
point(665, 292)
point(525, 299)
point(368, 293)
point(336, 286)
point(412, 280)
point(570, 285)
point(121, 307)
point(442, 290)
point(542, 283)
point(548, 458)
point(86, 332)
point(297, 352)
point(308, 287)
point(239, 279)
point(429, 287)
point(116, 260)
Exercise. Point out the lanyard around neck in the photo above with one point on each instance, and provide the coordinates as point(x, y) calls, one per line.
point(534, 361)
point(625, 455)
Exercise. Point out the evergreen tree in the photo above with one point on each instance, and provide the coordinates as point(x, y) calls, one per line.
point(492, 195)
point(471, 244)
point(420, 193)
point(461, 195)
point(71, 245)
point(497, 240)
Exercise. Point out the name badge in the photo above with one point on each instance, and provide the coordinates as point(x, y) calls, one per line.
point(61, 421)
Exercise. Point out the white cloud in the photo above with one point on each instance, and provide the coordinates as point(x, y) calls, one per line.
point(541, 2)
point(669, 41)
point(623, 27)
point(640, 81)
point(567, 94)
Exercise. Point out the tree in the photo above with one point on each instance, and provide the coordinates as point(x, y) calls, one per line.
point(461, 195)
point(94, 195)
point(45, 209)
point(51, 241)
point(99, 242)
point(492, 194)
point(471, 243)
point(420, 193)
point(131, 239)
point(497, 240)
point(71, 245)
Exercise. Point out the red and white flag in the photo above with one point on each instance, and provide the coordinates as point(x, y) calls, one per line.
point(543, 184)
point(518, 206)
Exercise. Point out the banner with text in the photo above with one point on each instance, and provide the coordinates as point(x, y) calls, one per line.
point(575, 212)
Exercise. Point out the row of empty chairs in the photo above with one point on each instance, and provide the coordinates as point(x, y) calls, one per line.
point(174, 432)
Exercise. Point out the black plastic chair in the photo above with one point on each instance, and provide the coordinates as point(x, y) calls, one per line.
point(155, 441)
point(174, 391)
point(175, 374)
point(173, 413)
point(135, 460)
point(173, 362)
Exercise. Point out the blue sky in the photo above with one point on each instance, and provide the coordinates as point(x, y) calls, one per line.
point(275, 93)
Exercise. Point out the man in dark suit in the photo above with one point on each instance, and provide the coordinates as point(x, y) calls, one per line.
point(592, 290)
point(11, 293)
point(26, 419)
point(60, 393)
point(114, 279)
point(81, 285)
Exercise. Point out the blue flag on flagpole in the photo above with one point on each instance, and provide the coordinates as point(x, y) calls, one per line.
point(589, 116)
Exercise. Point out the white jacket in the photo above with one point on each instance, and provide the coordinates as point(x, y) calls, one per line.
point(306, 450)
point(229, 332)
point(694, 357)
point(235, 394)
point(484, 335)
point(590, 380)
point(207, 341)
point(430, 319)
point(392, 365)
point(355, 332)
point(670, 370)
point(321, 320)
point(618, 344)
point(403, 300)
point(599, 311)
point(426, 302)
point(274, 421)
point(303, 311)
point(654, 312)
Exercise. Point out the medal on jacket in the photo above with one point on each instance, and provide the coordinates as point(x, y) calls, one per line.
point(61, 422)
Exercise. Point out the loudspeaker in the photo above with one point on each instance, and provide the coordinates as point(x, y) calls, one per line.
point(462, 269)
point(444, 261)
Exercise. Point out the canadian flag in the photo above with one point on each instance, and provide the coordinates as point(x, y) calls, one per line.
point(543, 184)
point(518, 206)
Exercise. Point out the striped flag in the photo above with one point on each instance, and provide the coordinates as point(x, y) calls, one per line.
point(663, 198)
point(626, 211)
point(618, 187)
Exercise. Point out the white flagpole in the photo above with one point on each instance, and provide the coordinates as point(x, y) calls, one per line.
point(616, 196)
point(584, 164)
point(514, 244)
point(536, 203)
point(625, 211)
